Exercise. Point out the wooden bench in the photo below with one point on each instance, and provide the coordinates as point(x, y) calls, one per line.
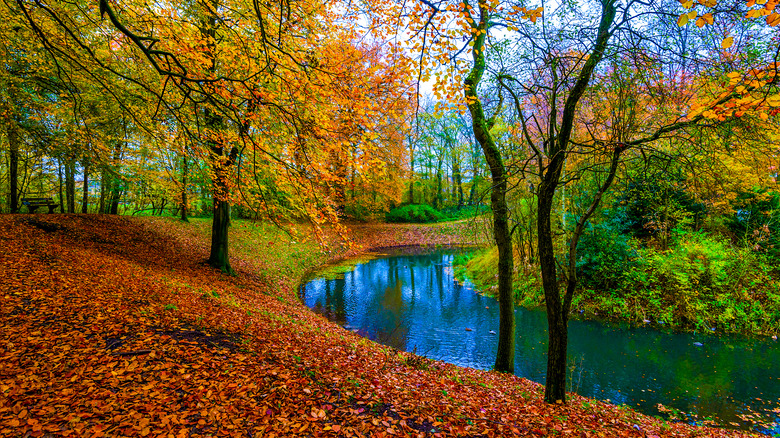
point(33, 204)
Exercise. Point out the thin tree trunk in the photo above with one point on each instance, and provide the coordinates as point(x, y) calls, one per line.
point(557, 152)
point(411, 176)
point(12, 133)
point(458, 183)
point(7, 100)
point(184, 174)
point(505, 355)
point(59, 174)
point(13, 163)
point(439, 196)
point(85, 194)
point(70, 184)
point(103, 192)
point(473, 189)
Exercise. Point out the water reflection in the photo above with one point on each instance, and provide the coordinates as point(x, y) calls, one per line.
point(413, 303)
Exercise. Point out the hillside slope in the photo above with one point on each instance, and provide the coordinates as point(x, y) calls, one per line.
point(114, 326)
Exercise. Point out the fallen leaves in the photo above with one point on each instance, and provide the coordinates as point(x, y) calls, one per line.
point(89, 347)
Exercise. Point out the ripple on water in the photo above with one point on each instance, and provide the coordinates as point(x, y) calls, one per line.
point(413, 303)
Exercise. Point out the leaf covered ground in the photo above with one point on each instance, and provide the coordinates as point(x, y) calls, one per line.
point(114, 326)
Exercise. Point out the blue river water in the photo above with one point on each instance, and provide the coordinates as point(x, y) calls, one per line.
point(412, 302)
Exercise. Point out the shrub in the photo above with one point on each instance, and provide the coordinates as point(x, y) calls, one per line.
point(605, 252)
point(655, 206)
point(465, 212)
point(414, 213)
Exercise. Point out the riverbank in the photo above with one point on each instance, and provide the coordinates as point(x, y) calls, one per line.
point(114, 326)
point(685, 289)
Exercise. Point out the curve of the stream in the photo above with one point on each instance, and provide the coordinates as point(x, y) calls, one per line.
point(413, 303)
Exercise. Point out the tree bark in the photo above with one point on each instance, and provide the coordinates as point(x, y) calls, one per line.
point(12, 133)
point(13, 164)
point(411, 175)
point(59, 175)
point(456, 174)
point(218, 256)
point(505, 356)
point(114, 185)
point(557, 323)
point(439, 196)
point(114, 197)
point(220, 164)
point(85, 191)
point(184, 174)
point(70, 184)
point(103, 192)
point(557, 152)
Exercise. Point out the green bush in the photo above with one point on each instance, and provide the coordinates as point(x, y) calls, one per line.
point(703, 282)
point(465, 212)
point(605, 252)
point(652, 206)
point(414, 213)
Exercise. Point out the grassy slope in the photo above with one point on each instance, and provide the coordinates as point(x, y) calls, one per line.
point(114, 326)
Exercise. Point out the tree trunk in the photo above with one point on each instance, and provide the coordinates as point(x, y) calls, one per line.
point(70, 184)
point(13, 163)
point(220, 165)
point(114, 197)
point(59, 175)
point(505, 356)
point(218, 257)
point(439, 196)
point(458, 183)
point(85, 192)
point(111, 183)
point(7, 100)
point(557, 323)
point(103, 192)
point(184, 174)
point(411, 175)
point(557, 152)
point(473, 189)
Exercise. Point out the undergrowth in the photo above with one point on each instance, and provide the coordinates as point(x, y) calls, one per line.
point(700, 283)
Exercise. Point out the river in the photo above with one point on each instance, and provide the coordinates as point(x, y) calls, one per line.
point(412, 302)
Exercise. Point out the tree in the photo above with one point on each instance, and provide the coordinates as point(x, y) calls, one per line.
point(13, 137)
point(230, 102)
point(550, 79)
point(482, 125)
